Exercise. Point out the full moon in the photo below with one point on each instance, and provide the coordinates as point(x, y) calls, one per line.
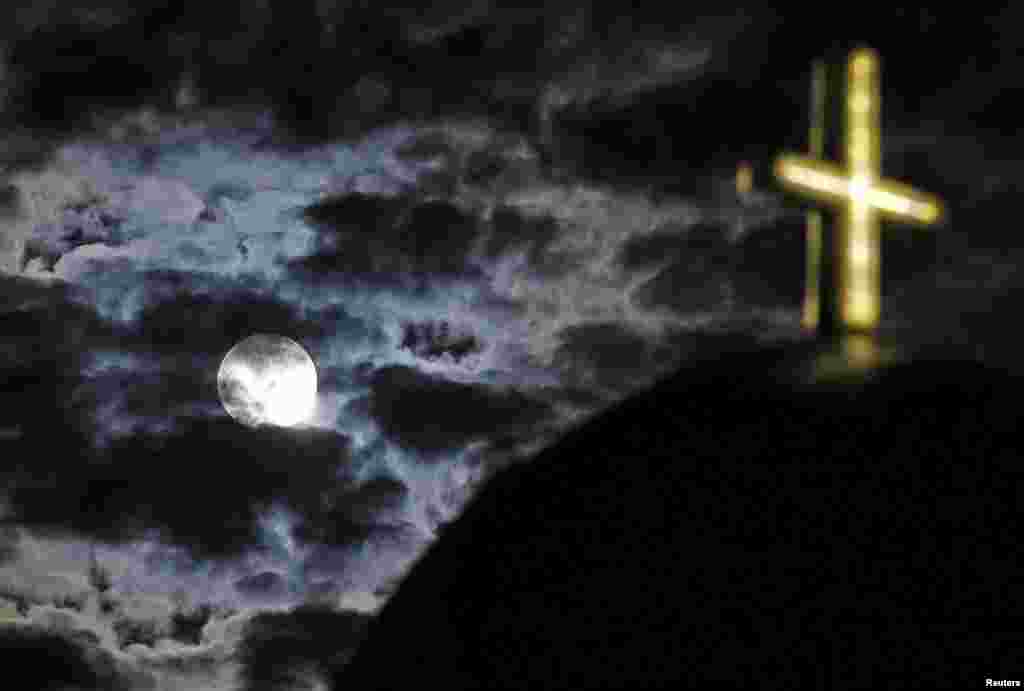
point(268, 380)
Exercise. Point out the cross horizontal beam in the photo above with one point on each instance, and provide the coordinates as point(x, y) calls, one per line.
point(831, 183)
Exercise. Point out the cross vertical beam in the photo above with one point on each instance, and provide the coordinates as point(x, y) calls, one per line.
point(858, 236)
point(812, 290)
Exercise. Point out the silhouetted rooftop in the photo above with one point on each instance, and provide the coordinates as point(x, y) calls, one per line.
point(734, 525)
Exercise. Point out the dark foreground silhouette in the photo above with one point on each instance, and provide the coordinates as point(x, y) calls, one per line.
point(732, 526)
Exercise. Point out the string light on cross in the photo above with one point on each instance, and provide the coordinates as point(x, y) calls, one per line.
point(863, 198)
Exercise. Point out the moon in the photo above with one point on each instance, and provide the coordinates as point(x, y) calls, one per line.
point(267, 379)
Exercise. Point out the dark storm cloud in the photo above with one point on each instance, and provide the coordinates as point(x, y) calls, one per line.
point(50, 662)
point(48, 324)
point(617, 358)
point(286, 650)
point(132, 632)
point(335, 70)
point(354, 514)
point(66, 70)
point(428, 146)
point(510, 229)
point(325, 70)
point(190, 315)
point(649, 251)
point(430, 415)
point(383, 239)
point(489, 168)
point(769, 263)
point(700, 245)
point(698, 264)
point(430, 340)
point(504, 163)
point(10, 201)
point(8, 543)
point(187, 624)
point(166, 481)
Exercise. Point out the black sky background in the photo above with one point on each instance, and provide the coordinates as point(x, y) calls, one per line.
point(650, 99)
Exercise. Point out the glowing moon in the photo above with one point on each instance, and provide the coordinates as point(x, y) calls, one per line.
point(268, 380)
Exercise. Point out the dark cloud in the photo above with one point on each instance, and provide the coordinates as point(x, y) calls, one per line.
point(770, 265)
point(428, 146)
point(430, 415)
point(99, 576)
point(134, 632)
point(9, 539)
point(49, 327)
point(383, 239)
point(354, 514)
point(437, 238)
point(620, 87)
point(52, 662)
point(511, 230)
point(504, 162)
point(698, 267)
point(283, 651)
point(186, 316)
point(431, 340)
point(617, 358)
point(10, 201)
point(717, 525)
point(187, 624)
point(21, 602)
point(343, 68)
point(20, 292)
point(73, 602)
point(649, 251)
point(69, 70)
point(142, 481)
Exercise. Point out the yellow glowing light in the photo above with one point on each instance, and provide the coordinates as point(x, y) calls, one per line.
point(860, 192)
point(816, 143)
point(860, 103)
point(863, 61)
point(861, 255)
point(862, 352)
point(744, 178)
point(859, 187)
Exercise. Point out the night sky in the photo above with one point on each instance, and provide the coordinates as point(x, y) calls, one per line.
point(485, 222)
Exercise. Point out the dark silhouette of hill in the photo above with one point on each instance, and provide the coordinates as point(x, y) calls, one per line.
point(734, 526)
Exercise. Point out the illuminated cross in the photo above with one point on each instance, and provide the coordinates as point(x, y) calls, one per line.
point(864, 199)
